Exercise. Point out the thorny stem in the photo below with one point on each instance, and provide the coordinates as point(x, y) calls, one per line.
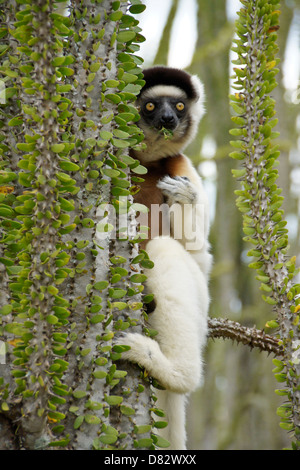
point(263, 196)
point(252, 337)
point(278, 277)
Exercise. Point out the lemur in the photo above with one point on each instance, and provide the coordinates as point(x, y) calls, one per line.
point(170, 106)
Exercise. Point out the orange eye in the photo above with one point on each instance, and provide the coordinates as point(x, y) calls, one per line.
point(150, 106)
point(180, 106)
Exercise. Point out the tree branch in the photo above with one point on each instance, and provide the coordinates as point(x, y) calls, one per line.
point(224, 328)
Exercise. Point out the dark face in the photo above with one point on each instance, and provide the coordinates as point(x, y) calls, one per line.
point(163, 112)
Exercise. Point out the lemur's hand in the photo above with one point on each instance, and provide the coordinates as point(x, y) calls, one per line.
point(178, 189)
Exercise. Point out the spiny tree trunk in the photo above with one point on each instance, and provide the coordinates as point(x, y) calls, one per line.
point(259, 198)
point(69, 284)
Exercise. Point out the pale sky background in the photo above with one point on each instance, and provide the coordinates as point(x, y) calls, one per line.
point(153, 20)
point(183, 38)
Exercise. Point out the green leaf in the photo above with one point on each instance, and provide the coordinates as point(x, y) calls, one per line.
point(120, 374)
point(117, 293)
point(142, 429)
point(101, 285)
point(113, 97)
point(16, 121)
point(4, 406)
point(60, 443)
point(238, 109)
point(287, 426)
point(56, 415)
point(139, 170)
point(160, 424)
point(113, 400)
point(112, 83)
point(57, 61)
point(138, 278)
point(237, 155)
point(52, 319)
point(127, 410)
point(6, 309)
point(126, 36)
point(120, 143)
point(160, 441)
point(118, 259)
point(26, 147)
point(105, 135)
point(108, 439)
point(127, 117)
point(119, 348)
point(269, 300)
point(68, 166)
point(16, 329)
point(66, 71)
point(147, 263)
point(272, 324)
point(57, 148)
point(280, 377)
point(158, 412)
point(129, 77)
point(135, 9)
point(63, 88)
point(78, 421)
point(97, 319)
point(99, 374)
point(139, 207)
point(119, 305)
point(238, 173)
point(52, 290)
point(143, 443)
point(92, 419)
point(66, 205)
point(237, 144)
point(6, 211)
point(116, 15)
point(79, 394)
point(281, 392)
point(111, 172)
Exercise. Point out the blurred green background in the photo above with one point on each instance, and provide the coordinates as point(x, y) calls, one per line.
point(236, 406)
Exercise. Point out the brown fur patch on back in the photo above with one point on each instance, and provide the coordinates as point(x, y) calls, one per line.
point(180, 166)
point(150, 194)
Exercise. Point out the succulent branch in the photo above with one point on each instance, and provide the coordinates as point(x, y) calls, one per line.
point(259, 198)
point(249, 336)
point(71, 281)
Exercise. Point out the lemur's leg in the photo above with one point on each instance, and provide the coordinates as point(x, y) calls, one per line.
point(180, 317)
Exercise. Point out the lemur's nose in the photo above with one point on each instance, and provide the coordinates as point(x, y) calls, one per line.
point(167, 118)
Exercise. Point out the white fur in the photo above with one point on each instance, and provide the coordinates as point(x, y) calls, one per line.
point(175, 432)
point(164, 90)
point(180, 317)
point(179, 281)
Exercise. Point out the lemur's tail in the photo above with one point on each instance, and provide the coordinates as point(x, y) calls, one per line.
point(173, 404)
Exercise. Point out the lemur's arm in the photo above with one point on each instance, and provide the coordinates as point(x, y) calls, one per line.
point(189, 213)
